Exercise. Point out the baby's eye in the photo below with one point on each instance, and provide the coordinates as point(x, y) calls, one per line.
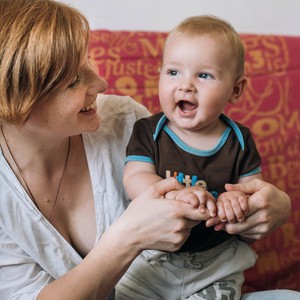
point(205, 76)
point(75, 83)
point(172, 72)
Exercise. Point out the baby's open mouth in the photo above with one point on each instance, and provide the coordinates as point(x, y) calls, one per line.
point(186, 105)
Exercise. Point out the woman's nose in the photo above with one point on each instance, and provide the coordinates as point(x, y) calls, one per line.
point(102, 85)
point(98, 82)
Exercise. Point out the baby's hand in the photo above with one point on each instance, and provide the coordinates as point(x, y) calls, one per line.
point(198, 197)
point(232, 206)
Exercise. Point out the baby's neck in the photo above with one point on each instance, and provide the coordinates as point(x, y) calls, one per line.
point(203, 139)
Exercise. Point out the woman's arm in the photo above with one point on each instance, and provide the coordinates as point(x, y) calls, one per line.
point(150, 222)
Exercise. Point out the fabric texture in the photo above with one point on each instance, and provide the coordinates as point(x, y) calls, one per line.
point(32, 252)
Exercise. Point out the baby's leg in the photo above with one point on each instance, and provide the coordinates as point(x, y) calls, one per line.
point(228, 288)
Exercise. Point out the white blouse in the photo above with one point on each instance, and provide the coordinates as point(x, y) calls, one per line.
point(32, 251)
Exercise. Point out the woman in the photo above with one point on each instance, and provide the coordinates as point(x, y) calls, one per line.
point(63, 233)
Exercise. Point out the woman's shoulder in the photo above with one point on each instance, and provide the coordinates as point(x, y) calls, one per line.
point(112, 105)
point(118, 114)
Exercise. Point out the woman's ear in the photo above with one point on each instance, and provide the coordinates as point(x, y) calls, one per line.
point(238, 89)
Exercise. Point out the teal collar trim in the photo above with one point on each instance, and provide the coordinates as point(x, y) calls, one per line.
point(161, 124)
point(235, 128)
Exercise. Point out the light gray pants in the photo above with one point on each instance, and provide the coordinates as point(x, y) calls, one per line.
point(214, 274)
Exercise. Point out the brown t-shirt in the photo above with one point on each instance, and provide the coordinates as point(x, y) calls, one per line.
point(234, 156)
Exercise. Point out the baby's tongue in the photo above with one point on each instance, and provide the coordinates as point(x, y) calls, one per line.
point(186, 106)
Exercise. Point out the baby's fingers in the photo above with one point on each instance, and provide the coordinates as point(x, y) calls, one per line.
point(211, 206)
point(184, 196)
point(238, 212)
point(243, 200)
point(221, 212)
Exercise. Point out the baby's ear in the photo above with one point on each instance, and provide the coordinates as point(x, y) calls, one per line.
point(238, 89)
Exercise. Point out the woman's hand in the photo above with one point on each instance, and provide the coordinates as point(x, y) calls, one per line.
point(197, 197)
point(154, 222)
point(269, 208)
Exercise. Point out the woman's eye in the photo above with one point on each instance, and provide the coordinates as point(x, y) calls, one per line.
point(75, 83)
point(205, 76)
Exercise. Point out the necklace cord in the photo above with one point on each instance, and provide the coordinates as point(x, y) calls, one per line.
point(23, 176)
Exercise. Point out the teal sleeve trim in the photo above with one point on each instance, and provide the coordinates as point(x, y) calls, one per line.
point(139, 158)
point(255, 171)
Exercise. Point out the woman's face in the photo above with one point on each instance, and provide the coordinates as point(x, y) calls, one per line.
point(70, 110)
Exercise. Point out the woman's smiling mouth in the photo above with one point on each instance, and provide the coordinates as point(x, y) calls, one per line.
point(89, 107)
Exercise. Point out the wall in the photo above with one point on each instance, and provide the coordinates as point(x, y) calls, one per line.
point(255, 16)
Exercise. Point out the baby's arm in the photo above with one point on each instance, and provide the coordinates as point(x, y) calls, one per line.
point(138, 176)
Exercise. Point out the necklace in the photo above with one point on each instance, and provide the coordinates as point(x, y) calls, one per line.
point(23, 176)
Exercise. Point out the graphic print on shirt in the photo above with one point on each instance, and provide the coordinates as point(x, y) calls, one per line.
point(189, 180)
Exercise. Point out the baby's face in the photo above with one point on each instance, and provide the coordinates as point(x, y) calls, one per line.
point(197, 80)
